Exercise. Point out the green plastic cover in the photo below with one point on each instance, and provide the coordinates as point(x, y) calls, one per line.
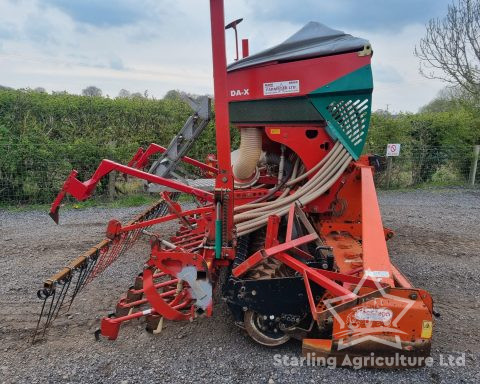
point(346, 106)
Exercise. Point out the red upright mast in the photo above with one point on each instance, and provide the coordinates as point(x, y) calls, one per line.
point(224, 181)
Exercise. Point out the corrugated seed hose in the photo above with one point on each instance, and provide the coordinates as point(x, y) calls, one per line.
point(249, 153)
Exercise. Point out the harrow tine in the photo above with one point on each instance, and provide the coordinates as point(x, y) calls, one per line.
point(101, 262)
point(39, 317)
point(83, 271)
point(123, 247)
point(95, 265)
point(92, 262)
point(76, 288)
point(61, 298)
point(119, 249)
point(47, 322)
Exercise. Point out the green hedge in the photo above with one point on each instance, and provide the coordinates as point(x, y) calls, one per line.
point(432, 143)
point(43, 137)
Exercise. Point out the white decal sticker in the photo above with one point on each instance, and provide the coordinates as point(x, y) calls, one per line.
point(378, 274)
point(281, 87)
point(374, 314)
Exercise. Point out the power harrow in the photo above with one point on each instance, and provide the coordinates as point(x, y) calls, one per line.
point(286, 228)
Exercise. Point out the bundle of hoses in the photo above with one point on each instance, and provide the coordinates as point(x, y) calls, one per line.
point(328, 170)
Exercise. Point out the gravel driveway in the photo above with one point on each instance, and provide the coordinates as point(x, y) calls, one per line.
point(436, 245)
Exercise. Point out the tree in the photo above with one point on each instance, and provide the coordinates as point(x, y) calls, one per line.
point(448, 99)
point(123, 94)
point(40, 90)
point(92, 91)
point(450, 50)
point(173, 94)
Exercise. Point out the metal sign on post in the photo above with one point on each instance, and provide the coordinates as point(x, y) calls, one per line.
point(393, 150)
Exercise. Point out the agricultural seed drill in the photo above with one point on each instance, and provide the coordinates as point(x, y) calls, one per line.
point(286, 228)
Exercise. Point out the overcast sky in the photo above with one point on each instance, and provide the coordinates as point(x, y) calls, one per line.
point(158, 45)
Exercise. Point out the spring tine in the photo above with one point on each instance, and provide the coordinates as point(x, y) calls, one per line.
point(59, 301)
point(135, 235)
point(47, 322)
point(116, 252)
point(91, 266)
point(79, 280)
point(98, 255)
point(77, 285)
point(99, 263)
point(133, 238)
point(85, 273)
point(99, 267)
point(127, 243)
point(39, 319)
point(113, 254)
point(82, 279)
point(110, 255)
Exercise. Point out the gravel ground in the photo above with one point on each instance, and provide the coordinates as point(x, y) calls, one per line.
point(436, 246)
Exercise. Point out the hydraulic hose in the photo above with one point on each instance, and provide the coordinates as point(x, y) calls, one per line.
point(292, 175)
point(302, 196)
point(332, 159)
point(255, 223)
point(296, 180)
point(316, 167)
point(329, 170)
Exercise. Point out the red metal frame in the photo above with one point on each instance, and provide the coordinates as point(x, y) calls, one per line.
point(168, 310)
point(224, 180)
point(375, 252)
point(115, 228)
point(141, 158)
point(83, 190)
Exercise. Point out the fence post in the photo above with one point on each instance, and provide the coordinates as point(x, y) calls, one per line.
point(389, 171)
point(473, 169)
